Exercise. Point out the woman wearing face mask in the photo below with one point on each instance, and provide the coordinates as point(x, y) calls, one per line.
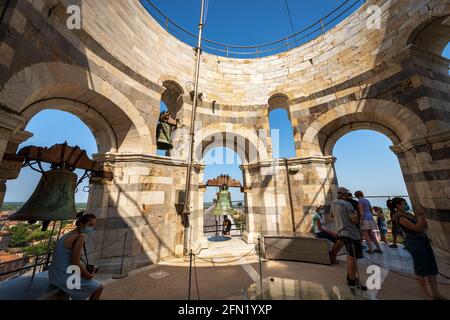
point(322, 233)
point(418, 245)
point(68, 252)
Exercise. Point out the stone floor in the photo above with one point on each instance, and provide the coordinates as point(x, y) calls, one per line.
point(230, 270)
point(228, 277)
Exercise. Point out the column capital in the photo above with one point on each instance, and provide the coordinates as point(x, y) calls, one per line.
point(10, 121)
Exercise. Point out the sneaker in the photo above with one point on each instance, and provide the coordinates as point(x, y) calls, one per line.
point(394, 246)
point(356, 284)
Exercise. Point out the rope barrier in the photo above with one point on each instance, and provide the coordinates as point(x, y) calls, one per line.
point(107, 246)
point(225, 262)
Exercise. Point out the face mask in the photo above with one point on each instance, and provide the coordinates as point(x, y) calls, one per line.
point(88, 229)
point(406, 207)
point(322, 211)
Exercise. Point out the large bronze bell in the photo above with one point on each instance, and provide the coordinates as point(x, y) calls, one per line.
point(223, 205)
point(164, 136)
point(164, 131)
point(53, 199)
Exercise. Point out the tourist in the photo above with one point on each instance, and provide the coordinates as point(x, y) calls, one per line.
point(418, 245)
point(346, 219)
point(368, 225)
point(354, 204)
point(322, 233)
point(381, 223)
point(226, 226)
point(395, 228)
point(68, 252)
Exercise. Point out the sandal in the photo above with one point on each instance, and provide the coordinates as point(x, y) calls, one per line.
point(370, 251)
point(378, 251)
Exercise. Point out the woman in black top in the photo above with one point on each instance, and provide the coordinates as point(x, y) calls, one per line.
point(418, 245)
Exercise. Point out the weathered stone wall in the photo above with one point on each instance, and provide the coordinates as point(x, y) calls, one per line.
point(114, 72)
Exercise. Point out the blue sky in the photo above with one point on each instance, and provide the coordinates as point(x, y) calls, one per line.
point(364, 159)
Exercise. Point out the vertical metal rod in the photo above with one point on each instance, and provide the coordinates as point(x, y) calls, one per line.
point(323, 27)
point(122, 275)
point(50, 244)
point(36, 260)
point(260, 266)
point(194, 108)
point(288, 182)
point(190, 274)
point(123, 252)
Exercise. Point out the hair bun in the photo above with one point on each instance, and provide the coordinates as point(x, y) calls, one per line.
point(79, 214)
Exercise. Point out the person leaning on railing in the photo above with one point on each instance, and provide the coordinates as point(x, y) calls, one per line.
point(418, 245)
point(68, 252)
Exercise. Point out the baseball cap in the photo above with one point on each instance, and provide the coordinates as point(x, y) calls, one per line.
point(343, 191)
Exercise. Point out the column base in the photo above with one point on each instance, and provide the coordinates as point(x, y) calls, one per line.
point(198, 245)
point(250, 237)
point(443, 261)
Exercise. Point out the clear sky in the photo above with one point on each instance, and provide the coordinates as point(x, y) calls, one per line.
point(364, 159)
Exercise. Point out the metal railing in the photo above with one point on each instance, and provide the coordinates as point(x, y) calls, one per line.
point(260, 50)
point(35, 264)
point(217, 229)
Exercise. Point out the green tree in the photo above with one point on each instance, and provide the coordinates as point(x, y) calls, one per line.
point(40, 248)
point(19, 235)
point(37, 235)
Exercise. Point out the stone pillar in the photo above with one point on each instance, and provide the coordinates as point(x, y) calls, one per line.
point(425, 165)
point(266, 199)
point(9, 123)
point(197, 240)
point(141, 201)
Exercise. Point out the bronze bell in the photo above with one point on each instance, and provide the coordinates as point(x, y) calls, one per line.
point(223, 206)
point(164, 131)
point(164, 136)
point(53, 199)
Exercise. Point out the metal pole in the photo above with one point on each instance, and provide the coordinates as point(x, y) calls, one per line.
point(47, 261)
point(288, 181)
point(194, 108)
point(121, 274)
point(260, 266)
point(190, 274)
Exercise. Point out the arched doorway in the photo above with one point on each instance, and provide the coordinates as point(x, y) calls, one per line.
point(281, 130)
point(64, 127)
point(365, 162)
point(222, 161)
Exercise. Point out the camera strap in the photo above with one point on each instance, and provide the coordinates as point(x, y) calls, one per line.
point(84, 248)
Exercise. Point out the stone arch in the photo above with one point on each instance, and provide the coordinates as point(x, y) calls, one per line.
point(394, 120)
point(245, 142)
point(432, 35)
point(279, 100)
point(112, 117)
point(172, 96)
point(101, 128)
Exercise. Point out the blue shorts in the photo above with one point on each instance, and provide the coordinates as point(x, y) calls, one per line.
point(326, 235)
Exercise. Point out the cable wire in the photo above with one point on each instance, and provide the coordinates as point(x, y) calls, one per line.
point(290, 19)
